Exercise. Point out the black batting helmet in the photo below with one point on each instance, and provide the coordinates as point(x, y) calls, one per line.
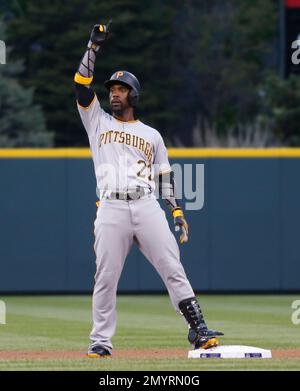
point(129, 80)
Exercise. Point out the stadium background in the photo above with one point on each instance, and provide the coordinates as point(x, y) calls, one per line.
point(219, 83)
point(245, 238)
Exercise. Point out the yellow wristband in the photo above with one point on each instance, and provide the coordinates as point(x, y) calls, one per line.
point(177, 213)
point(82, 80)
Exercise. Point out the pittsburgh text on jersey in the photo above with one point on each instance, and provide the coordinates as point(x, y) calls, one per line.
point(114, 136)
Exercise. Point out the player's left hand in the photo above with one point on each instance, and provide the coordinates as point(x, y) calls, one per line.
point(181, 225)
point(100, 33)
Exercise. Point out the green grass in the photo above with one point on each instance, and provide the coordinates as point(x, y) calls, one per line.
point(64, 323)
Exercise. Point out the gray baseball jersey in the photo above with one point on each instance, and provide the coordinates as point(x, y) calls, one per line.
point(126, 155)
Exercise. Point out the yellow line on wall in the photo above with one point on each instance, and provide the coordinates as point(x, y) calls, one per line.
point(71, 153)
point(46, 153)
point(233, 152)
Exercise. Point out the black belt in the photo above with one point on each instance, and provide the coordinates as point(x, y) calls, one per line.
point(130, 196)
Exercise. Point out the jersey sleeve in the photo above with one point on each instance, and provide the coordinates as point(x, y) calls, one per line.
point(91, 116)
point(161, 160)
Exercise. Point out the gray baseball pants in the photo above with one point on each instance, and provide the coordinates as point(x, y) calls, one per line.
point(117, 225)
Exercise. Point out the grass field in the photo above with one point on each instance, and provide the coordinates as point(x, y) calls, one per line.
point(62, 323)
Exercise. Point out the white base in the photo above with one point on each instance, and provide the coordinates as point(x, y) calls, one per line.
point(230, 351)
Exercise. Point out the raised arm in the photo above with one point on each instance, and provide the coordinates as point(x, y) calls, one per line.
point(85, 73)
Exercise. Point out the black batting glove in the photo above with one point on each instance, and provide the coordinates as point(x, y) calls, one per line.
point(180, 224)
point(99, 34)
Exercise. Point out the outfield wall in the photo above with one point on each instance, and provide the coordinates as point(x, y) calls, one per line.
point(246, 237)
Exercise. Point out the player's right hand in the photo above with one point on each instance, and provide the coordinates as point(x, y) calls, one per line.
point(181, 225)
point(100, 33)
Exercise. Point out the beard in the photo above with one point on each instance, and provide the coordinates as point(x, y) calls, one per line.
point(117, 109)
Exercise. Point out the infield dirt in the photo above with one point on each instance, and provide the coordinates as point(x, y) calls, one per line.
point(121, 353)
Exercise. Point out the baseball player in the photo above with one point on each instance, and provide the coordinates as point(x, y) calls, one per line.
point(128, 155)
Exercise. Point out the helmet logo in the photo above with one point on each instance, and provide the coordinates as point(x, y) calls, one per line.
point(119, 74)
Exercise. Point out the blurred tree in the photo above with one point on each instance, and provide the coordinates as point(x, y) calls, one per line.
point(22, 123)
point(12, 8)
point(234, 42)
point(283, 108)
point(198, 59)
point(55, 38)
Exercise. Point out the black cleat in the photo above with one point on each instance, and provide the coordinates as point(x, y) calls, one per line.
point(199, 335)
point(98, 351)
point(204, 338)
